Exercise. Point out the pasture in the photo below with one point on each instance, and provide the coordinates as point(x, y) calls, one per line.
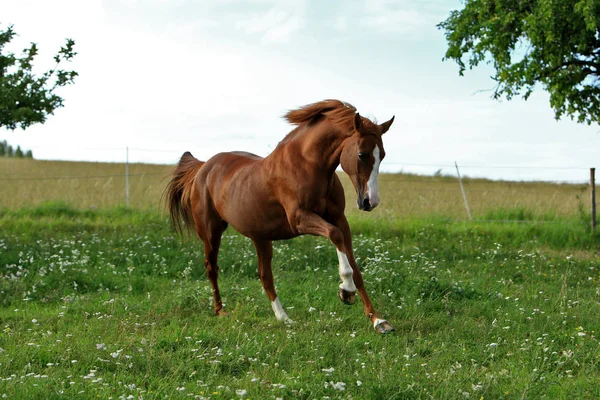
point(99, 301)
point(102, 185)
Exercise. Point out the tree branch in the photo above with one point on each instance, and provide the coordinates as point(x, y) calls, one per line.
point(583, 63)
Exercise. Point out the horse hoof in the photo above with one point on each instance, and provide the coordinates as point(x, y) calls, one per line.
point(347, 297)
point(382, 326)
point(222, 313)
point(288, 321)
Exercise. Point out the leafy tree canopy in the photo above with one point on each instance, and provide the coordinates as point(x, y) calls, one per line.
point(552, 42)
point(25, 98)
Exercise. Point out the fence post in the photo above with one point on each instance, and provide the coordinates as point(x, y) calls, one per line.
point(462, 189)
point(127, 177)
point(593, 193)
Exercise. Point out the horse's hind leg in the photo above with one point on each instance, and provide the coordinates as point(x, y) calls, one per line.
point(211, 236)
point(264, 250)
point(211, 251)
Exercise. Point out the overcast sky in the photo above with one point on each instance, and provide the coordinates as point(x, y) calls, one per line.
point(166, 76)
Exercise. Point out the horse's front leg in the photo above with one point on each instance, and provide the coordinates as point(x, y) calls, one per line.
point(380, 325)
point(306, 222)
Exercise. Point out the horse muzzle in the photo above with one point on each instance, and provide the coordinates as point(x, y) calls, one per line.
point(365, 204)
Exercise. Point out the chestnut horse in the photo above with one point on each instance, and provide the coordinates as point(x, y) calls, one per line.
point(293, 191)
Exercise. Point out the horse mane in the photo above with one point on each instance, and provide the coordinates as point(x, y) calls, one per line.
point(337, 112)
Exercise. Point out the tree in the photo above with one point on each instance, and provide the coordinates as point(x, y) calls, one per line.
point(553, 43)
point(25, 98)
point(6, 150)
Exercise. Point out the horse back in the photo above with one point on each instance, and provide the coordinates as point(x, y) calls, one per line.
point(252, 196)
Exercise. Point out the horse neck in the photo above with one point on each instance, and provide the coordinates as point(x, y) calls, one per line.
point(322, 146)
point(317, 148)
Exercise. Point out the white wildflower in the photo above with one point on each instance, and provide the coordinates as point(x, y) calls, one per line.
point(116, 353)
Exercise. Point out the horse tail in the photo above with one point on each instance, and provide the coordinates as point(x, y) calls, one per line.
point(179, 190)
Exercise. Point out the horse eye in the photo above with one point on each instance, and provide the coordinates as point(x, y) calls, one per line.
point(363, 156)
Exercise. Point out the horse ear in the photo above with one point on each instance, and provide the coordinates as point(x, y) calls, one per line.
point(386, 125)
point(357, 122)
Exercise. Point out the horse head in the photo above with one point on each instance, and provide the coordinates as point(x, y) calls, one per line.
point(360, 159)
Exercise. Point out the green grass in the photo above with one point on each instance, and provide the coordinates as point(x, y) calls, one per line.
point(110, 303)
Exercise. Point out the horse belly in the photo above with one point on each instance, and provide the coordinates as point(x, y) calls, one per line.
point(268, 223)
point(249, 208)
point(243, 199)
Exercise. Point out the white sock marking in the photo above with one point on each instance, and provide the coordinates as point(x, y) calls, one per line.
point(377, 322)
point(345, 271)
point(372, 184)
point(279, 311)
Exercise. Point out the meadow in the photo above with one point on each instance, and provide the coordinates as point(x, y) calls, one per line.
point(86, 185)
point(100, 301)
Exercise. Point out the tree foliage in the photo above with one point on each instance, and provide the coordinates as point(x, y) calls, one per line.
point(25, 98)
point(6, 150)
point(555, 43)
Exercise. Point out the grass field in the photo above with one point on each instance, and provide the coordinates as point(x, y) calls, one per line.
point(107, 302)
point(101, 185)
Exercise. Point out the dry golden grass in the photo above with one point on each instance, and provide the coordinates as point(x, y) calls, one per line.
point(418, 196)
point(99, 185)
point(80, 184)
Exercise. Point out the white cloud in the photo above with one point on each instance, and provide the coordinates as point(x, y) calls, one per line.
point(281, 33)
point(341, 23)
point(399, 21)
point(129, 3)
point(401, 16)
point(53, 21)
point(275, 25)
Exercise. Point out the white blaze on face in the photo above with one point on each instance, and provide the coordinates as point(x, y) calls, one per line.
point(345, 271)
point(279, 311)
point(372, 184)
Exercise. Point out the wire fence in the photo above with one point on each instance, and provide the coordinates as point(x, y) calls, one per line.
point(560, 174)
point(97, 184)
